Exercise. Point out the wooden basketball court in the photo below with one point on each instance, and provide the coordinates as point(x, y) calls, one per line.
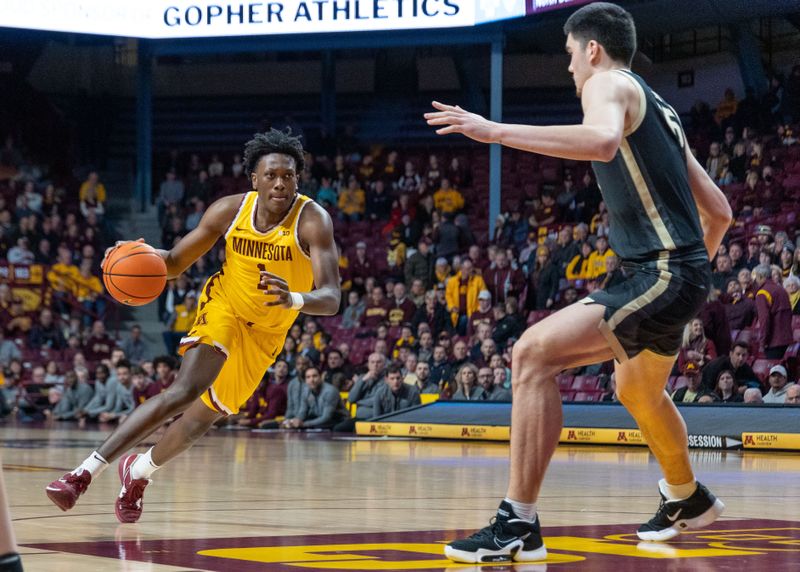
point(246, 501)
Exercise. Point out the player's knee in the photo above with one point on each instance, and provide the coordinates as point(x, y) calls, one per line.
point(532, 359)
point(634, 397)
point(179, 397)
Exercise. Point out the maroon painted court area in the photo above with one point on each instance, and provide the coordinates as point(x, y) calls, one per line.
point(772, 545)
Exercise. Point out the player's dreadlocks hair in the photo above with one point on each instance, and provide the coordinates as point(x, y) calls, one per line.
point(273, 141)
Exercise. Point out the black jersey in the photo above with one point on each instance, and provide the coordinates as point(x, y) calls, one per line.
point(646, 186)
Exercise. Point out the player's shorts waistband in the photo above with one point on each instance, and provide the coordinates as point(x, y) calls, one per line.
point(695, 253)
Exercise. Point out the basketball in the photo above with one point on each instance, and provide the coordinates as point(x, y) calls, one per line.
point(134, 274)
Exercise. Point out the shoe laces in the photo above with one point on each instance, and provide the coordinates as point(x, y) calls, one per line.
point(494, 528)
point(134, 491)
point(661, 513)
point(79, 481)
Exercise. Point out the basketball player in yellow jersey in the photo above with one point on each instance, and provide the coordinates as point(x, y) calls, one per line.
point(280, 260)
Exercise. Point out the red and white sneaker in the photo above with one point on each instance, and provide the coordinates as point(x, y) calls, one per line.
point(65, 491)
point(128, 506)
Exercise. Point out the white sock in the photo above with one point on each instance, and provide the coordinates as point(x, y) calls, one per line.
point(143, 466)
point(94, 463)
point(525, 511)
point(677, 492)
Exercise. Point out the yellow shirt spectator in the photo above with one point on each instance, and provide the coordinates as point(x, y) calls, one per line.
point(352, 200)
point(727, 107)
point(85, 286)
point(396, 255)
point(185, 314)
point(92, 181)
point(62, 276)
point(454, 290)
point(447, 199)
point(597, 260)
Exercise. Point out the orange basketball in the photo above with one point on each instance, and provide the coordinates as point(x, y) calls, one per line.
point(134, 273)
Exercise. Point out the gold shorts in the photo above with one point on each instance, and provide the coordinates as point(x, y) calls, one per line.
point(249, 352)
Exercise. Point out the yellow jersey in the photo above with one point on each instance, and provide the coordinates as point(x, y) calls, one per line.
point(248, 251)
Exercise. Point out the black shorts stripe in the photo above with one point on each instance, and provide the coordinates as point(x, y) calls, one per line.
point(651, 308)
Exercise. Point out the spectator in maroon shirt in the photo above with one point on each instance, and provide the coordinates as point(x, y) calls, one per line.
point(165, 367)
point(745, 278)
point(360, 267)
point(695, 347)
point(503, 280)
point(740, 309)
point(715, 321)
point(483, 315)
point(377, 309)
point(99, 344)
point(479, 261)
point(143, 387)
point(401, 308)
point(774, 314)
point(270, 399)
point(546, 213)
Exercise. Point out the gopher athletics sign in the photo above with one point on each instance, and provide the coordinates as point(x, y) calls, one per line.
point(158, 19)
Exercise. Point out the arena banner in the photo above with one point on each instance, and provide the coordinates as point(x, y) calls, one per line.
point(433, 430)
point(789, 441)
point(574, 435)
point(600, 436)
point(216, 18)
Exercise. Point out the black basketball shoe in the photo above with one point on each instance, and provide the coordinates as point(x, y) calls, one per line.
point(10, 562)
point(697, 511)
point(506, 538)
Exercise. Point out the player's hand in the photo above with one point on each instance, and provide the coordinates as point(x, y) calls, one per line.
point(110, 248)
point(457, 120)
point(275, 286)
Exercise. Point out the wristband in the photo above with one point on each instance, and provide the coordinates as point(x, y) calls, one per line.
point(297, 300)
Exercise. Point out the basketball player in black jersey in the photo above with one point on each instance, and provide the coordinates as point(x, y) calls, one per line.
point(667, 218)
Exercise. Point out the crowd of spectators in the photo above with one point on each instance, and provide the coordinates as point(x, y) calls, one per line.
point(432, 302)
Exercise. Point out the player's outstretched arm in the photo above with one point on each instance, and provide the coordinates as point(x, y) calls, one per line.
point(315, 231)
point(605, 98)
point(715, 212)
point(213, 225)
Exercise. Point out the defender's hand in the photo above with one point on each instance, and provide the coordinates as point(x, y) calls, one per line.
point(457, 120)
point(110, 248)
point(275, 286)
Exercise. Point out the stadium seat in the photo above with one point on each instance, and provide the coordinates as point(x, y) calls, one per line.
point(564, 381)
point(586, 383)
point(588, 395)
